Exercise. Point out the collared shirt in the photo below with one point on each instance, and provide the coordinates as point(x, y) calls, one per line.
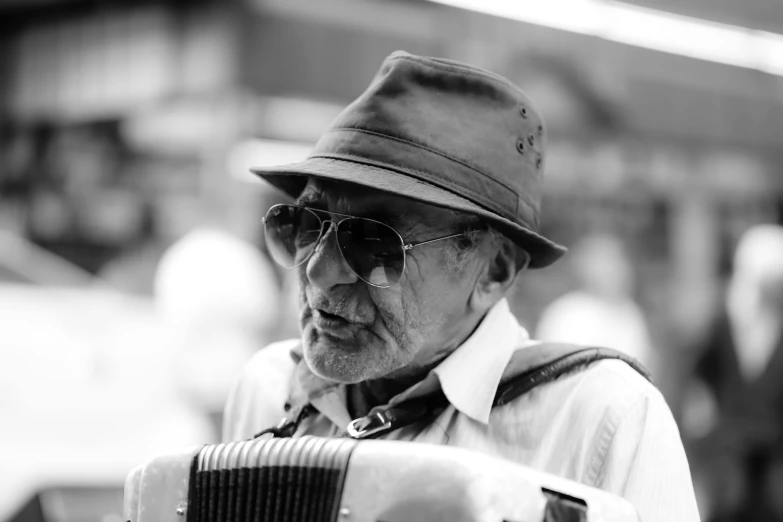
point(606, 426)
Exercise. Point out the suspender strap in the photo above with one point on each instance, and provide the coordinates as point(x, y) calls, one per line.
point(550, 361)
point(529, 367)
point(287, 426)
point(567, 359)
point(384, 420)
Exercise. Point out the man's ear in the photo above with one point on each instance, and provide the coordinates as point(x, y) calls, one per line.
point(496, 278)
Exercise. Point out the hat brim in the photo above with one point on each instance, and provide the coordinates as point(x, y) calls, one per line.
point(292, 179)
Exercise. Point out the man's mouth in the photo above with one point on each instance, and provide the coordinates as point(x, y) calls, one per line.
point(327, 321)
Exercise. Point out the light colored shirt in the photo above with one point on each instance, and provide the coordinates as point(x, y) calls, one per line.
point(606, 426)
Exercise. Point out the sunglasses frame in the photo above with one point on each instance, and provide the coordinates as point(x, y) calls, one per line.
point(406, 247)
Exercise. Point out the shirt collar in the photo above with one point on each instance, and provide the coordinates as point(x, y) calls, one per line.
point(480, 361)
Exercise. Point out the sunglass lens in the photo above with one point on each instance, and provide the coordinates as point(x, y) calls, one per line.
point(373, 250)
point(291, 233)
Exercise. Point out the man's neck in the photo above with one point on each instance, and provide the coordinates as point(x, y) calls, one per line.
point(364, 396)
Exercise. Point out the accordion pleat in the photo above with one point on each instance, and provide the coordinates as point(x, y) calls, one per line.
point(275, 480)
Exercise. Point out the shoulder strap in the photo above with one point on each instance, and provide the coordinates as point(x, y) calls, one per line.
point(528, 368)
point(545, 362)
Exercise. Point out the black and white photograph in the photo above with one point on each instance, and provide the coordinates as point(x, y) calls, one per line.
point(391, 261)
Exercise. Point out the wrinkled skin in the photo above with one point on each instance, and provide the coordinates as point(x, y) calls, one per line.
point(393, 332)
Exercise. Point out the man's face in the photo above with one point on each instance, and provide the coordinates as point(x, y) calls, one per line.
point(352, 331)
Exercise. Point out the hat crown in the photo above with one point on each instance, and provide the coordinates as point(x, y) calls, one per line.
point(458, 127)
point(444, 133)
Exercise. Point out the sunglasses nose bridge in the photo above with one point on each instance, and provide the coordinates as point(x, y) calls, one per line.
point(326, 226)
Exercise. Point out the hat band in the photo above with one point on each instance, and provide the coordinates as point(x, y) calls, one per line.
point(425, 164)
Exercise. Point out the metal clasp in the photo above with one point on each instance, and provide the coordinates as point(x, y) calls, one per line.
point(368, 425)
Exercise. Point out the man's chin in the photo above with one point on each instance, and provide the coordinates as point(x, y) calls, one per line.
point(338, 361)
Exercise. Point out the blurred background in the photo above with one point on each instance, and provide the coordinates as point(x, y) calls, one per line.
point(134, 281)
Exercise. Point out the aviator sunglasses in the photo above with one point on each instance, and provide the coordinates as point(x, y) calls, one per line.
point(374, 251)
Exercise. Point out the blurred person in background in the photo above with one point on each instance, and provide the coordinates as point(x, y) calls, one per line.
point(601, 311)
point(734, 408)
point(414, 215)
point(219, 299)
point(87, 383)
point(132, 270)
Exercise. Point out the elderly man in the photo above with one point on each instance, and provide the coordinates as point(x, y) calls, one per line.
point(414, 214)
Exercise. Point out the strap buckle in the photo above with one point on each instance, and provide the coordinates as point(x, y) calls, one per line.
point(368, 425)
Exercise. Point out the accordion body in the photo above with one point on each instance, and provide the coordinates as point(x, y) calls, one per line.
point(314, 479)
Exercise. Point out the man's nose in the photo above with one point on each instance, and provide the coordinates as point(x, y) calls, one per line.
point(327, 267)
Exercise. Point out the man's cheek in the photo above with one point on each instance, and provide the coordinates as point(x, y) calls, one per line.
point(389, 308)
point(401, 329)
point(379, 333)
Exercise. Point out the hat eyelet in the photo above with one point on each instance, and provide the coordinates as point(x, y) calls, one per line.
point(523, 111)
point(521, 146)
point(531, 139)
point(538, 162)
point(540, 130)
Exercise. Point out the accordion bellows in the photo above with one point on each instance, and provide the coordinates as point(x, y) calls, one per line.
point(317, 479)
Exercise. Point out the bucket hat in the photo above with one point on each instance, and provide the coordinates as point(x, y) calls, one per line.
point(444, 133)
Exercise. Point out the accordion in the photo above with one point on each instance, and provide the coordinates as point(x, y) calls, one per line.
point(314, 479)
